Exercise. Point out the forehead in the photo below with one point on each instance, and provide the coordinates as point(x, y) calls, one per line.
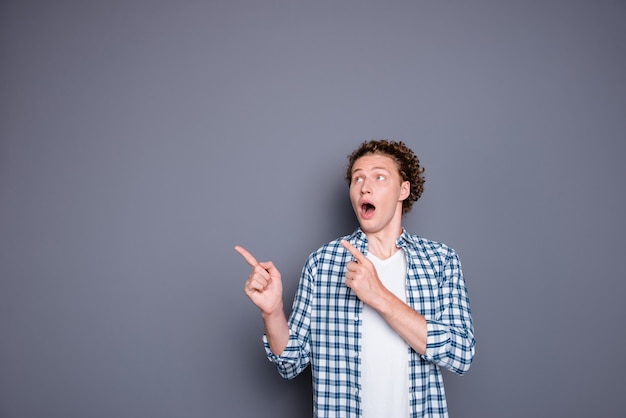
point(375, 161)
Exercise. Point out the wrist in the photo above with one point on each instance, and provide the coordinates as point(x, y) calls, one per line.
point(277, 312)
point(384, 303)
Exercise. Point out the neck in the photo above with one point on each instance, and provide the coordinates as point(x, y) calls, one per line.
point(383, 244)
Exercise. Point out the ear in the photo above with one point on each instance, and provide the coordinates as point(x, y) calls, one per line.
point(405, 189)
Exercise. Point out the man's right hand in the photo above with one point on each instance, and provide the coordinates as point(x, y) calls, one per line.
point(264, 286)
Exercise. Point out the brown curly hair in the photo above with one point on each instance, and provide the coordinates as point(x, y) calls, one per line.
point(406, 160)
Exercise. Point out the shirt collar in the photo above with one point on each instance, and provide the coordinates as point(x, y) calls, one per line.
point(359, 240)
point(405, 240)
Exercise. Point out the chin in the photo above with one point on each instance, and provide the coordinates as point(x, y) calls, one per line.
point(367, 226)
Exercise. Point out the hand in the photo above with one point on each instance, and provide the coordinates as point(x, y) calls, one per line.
point(264, 286)
point(361, 276)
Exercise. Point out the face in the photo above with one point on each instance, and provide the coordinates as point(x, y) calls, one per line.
point(377, 192)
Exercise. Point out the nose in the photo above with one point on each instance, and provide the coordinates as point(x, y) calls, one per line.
point(365, 187)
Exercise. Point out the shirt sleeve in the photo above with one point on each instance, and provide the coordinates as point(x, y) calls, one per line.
point(292, 361)
point(450, 342)
point(296, 355)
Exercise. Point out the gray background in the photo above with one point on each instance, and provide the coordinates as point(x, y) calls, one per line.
point(141, 140)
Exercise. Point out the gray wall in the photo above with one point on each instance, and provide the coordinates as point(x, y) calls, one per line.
point(141, 140)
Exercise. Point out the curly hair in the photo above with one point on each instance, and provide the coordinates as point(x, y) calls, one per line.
point(406, 160)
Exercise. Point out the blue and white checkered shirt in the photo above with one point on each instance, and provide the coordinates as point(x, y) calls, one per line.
point(325, 327)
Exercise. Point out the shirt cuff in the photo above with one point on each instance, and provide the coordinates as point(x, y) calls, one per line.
point(289, 354)
point(436, 341)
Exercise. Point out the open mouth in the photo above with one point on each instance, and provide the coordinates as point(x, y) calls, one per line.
point(367, 209)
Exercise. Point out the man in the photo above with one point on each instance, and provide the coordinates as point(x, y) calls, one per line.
point(377, 313)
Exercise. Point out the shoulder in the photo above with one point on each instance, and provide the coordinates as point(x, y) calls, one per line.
point(327, 261)
point(427, 255)
point(332, 249)
point(332, 254)
point(426, 247)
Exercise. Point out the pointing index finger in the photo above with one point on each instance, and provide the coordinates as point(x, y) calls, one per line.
point(358, 255)
point(247, 256)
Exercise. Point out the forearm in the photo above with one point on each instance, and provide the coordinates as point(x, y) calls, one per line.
point(405, 321)
point(449, 345)
point(276, 330)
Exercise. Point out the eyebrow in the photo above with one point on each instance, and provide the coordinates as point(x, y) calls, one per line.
point(373, 169)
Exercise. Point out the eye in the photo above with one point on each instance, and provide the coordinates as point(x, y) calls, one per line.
point(357, 179)
point(380, 177)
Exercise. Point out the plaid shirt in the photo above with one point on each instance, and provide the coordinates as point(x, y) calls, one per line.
point(325, 327)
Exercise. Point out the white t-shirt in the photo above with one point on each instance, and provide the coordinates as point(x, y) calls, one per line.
point(385, 356)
